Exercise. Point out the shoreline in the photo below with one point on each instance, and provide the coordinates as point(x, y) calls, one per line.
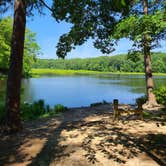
point(81, 132)
point(61, 72)
point(39, 72)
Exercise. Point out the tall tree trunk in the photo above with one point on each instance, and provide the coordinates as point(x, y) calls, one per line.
point(147, 63)
point(15, 68)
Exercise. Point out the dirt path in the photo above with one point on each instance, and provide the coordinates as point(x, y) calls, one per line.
point(85, 137)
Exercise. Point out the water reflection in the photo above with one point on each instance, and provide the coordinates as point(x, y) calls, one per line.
point(75, 91)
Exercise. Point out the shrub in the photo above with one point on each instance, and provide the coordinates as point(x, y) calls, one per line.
point(39, 109)
point(141, 100)
point(33, 111)
point(59, 108)
point(161, 95)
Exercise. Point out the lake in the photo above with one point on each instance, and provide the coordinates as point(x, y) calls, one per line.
point(74, 91)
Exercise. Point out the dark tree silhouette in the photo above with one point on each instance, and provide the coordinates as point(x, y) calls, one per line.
point(22, 8)
point(15, 68)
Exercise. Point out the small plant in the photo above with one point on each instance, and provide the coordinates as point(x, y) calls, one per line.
point(161, 95)
point(38, 109)
point(141, 100)
point(33, 111)
point(59, 108)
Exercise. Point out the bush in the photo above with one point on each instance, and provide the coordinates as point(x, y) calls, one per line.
point(141, 100)
point(161, 95)
point(39, 109)
point(33, 111)
point(59, 108)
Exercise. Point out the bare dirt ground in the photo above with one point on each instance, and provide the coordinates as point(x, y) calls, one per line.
point(86, 137)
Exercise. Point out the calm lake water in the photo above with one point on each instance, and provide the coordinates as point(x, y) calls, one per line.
point(74, 91)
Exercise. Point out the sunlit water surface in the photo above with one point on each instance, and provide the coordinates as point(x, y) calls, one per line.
point(74, 91)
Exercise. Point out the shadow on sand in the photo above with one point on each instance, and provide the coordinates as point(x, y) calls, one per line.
point(109, 134)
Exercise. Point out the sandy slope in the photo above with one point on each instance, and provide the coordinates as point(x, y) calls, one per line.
point(85, 137)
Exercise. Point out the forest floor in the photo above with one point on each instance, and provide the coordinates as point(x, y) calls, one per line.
point(86, 136)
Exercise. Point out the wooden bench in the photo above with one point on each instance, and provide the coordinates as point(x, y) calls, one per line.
point(118, 111)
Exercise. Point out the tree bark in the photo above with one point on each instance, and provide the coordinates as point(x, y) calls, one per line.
point(15, 68)
point(147, 64)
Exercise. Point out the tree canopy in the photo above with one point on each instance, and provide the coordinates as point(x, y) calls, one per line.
point(117, 63)
point(136, 25)
point(31, 5)
point(107, 21)
point(90, 19)
point(31, 49)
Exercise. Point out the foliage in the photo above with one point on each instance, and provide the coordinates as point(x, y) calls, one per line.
point(5, 38)
point(90, 19)
point(107, 21)
point(141, 100)
point(33, 111)
point(118, 63)
point(59, 108)
point(31, 48)
point(136, 26)
point(38, 109)
point(4, 5)
point(161, 95)
point(30, 4)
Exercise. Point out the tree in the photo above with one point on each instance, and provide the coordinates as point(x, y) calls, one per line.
point(108, 21)
point(123, 63)
point(91, 19)
point(15, 67)
point(147, 62)
point(31, 48)
point(146, 29)
point(21, 9)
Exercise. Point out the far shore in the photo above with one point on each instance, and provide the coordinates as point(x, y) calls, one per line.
point(38, 72)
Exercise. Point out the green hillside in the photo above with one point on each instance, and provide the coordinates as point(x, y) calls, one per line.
point(118, 63)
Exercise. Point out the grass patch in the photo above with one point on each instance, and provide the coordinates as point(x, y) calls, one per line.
point(38, 72)
point(63, 72)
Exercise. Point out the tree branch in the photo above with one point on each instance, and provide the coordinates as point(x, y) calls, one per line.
point(49, 8)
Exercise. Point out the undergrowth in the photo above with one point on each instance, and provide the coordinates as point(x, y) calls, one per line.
point(35, 110)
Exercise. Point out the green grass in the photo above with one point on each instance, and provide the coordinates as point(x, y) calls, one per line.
point(38, 72)
point(63, 72)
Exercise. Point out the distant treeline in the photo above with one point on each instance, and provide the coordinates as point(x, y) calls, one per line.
point(122, 63)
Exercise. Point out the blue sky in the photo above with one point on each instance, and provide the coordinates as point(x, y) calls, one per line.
point(48, 32)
